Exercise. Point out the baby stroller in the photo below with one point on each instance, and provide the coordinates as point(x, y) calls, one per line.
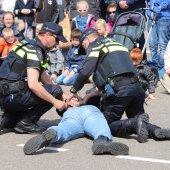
point(128, 29)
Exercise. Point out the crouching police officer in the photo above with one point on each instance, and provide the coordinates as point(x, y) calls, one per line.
point(22, 74)
point(115, 77)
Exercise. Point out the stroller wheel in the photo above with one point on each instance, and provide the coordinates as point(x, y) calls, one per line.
point(156, 75)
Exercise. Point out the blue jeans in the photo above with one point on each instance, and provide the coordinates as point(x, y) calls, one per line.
point(62, 79)
point(158, 41)
point(80, 121)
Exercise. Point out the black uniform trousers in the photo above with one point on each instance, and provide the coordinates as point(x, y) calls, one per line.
point(129, 100)
point(28, 106)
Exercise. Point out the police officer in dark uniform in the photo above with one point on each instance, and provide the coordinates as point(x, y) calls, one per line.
point(22, 74)
point(115, 77)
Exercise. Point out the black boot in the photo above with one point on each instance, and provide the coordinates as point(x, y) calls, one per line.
point(102, 145)
point(38, 142)
point(138, 125)
point(161, 134)
point(7, 120)
point(26, 126)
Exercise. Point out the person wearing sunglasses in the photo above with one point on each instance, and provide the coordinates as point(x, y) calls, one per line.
point(111, 10)
point(83, 20)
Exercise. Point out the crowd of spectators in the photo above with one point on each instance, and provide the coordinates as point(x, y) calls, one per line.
point(24, 17)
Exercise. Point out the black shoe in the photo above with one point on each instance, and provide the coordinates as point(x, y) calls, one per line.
point(38, 142)
point(7, 120)
point(160, 133)
point(102, 145)
point(28, 127)
point(141, 127)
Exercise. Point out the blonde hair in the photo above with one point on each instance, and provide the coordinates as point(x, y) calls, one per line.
point(7, 32)
point(38, 28)
point(20, 24)
point(102, 22)
point(82, 3)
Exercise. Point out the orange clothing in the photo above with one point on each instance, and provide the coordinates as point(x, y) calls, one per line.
point(5, 47)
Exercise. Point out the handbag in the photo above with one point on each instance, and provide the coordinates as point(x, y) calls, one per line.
point(65, 24)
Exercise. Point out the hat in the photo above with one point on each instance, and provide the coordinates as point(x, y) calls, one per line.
point(54, 29)
point(86, 33)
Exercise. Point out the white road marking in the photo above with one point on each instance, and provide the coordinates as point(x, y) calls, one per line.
point(48, 148)
point(144, 159)
point(120, 156)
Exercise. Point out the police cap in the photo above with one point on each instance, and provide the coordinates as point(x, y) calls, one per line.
point(86, 33)
point(54, 29)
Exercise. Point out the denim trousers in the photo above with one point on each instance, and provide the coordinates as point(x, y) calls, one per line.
point(158, 41)
point(62, 79)
point(80, 121)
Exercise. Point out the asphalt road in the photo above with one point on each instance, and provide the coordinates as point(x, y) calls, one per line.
point(77, 155)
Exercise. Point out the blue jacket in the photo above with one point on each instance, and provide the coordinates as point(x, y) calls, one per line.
point(74, 60)
point(161, 7)
point(133, 5)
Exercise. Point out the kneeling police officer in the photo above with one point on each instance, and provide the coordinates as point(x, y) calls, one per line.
point(22, 74)
point(115, 77)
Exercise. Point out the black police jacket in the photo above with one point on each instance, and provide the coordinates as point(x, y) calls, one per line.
point(106, 58)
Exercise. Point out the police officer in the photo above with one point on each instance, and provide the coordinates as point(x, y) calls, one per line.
point(22, 74)
point(115, 77)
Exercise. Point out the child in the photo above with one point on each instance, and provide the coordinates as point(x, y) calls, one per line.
point(145, 74)
point(102, 27)
point(83, 20)
point(55, 63)
point(74, 61)
point(7, 42)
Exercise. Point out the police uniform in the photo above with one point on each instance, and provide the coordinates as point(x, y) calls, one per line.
point(22, 107)
point(115, 76)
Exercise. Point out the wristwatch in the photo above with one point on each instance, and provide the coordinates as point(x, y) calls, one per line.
point(73, 90)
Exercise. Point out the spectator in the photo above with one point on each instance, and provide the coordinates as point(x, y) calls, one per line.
point(129, 5)
point(160, 34)
point(55, 63)
point(102, 27)
point(7, 42)
point(83, 20)
point(8, 21)
point(111, 10)
point(145, 75)
point(74, 61)
point(47, 12)
point(24, 10)
point(94, 7)
point(166, 78)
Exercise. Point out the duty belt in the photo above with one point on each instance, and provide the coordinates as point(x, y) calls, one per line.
point(7, 87)
point(120, 81)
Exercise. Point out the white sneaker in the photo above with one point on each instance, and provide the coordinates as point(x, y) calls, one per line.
point(166, 82)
